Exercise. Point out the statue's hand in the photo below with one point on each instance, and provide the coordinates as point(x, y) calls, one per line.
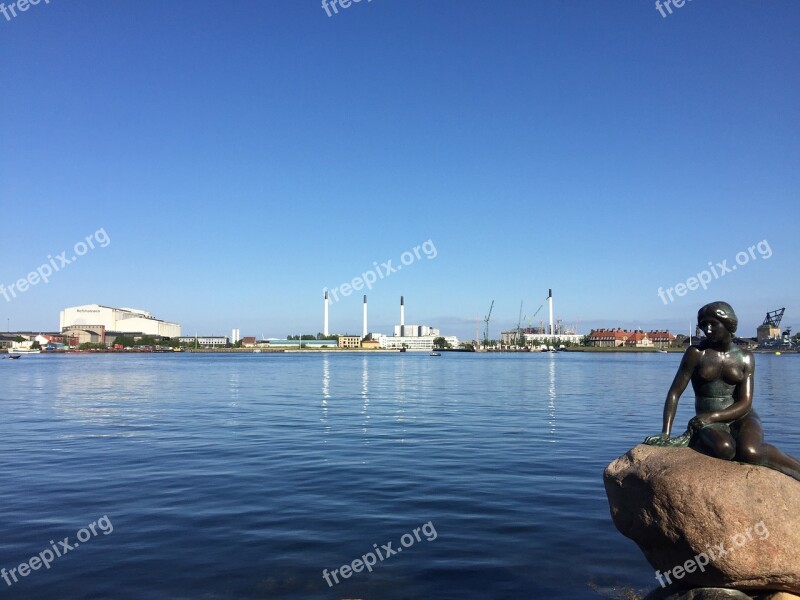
point(698, 422)
point(664, 439)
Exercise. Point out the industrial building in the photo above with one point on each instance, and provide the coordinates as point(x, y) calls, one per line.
point(415, 331)
point(349, 341)
point(556, 333)
point(558, 338)
point(276, 343)
point(410, 337)
point(205, 341)
point(770, 336)
point(118, 320)
point(398, 342)
point(75, 335)
point(770, 330)
point(8, 339)
point(528, 336)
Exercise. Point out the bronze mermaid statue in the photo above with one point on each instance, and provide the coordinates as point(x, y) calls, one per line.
point(721, 373)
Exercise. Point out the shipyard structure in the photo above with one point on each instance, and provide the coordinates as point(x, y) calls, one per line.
point(98, 324)
point(553, 333)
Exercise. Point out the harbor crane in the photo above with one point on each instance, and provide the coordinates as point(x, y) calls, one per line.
point(486, 325)
point(519, 324)
point(541, 306)
point(773, 318)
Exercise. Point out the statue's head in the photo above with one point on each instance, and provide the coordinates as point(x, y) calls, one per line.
point(722, 312)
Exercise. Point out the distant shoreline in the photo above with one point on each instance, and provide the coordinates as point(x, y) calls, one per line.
point(587, 349)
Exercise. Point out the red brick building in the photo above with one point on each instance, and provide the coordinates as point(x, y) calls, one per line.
point(617, 338)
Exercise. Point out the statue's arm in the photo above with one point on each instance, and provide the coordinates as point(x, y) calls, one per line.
point(682, 378)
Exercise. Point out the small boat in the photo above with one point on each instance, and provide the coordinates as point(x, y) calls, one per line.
point(436, 353)
point(663, 352)
point(26, 351)
point(14, 356)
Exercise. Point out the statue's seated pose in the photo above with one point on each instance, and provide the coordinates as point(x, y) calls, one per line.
point(726, 426)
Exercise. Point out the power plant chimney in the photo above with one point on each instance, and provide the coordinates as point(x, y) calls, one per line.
point(550, 300)
point(325, 321)
point(402, 317)
point(364, 328)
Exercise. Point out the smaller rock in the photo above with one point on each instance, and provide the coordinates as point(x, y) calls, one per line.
point(698, 594)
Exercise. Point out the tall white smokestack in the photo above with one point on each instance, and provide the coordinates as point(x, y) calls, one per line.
point(550, 300)
point(364, 328)
point(402, 317)
point(325, 321)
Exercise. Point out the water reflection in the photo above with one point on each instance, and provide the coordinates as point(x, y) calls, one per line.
point(365, 381)
point(365, 393)
point(326, 378)
point(326, 393)
point(551, 398)
point(400, 386)
point(121, 397)
point(233, 393)
point(233, 386)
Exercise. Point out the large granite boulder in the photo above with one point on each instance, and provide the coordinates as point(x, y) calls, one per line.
point(700, 594)
point(705, 522)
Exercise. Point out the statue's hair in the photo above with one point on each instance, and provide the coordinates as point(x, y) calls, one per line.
point(721, 311)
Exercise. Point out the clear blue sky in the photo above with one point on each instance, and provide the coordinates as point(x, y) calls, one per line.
point(242, 156)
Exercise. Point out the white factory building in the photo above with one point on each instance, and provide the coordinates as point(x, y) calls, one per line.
point(414, 342)
point(398, 342)
point(410, 337)
point(415, 331)
point(119, 320)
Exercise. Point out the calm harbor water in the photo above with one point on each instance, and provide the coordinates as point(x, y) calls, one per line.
point(244, 476)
